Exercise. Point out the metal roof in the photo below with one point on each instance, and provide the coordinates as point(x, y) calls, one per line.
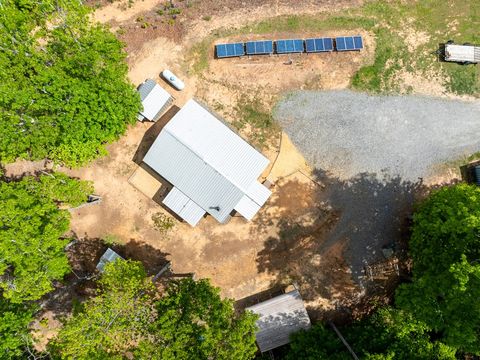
point(107, 257)
point(206, 161)
point(279, 318)
point(182, 205)
point(154, 98)
point(462, 53)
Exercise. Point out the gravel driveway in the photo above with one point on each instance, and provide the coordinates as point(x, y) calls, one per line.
point(347, 133)
point(369, 151)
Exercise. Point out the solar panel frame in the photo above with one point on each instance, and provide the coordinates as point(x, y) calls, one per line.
point(229, 50)
point(289, 46)
point(316, 45)
point(262, 47)
point(349, 43)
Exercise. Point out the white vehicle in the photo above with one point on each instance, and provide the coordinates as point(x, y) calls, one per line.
point(173, 80)
point(466, 54)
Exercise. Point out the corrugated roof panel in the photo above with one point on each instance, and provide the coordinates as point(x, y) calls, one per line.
point(279, 318)
point(154, 102)
point(217, 145)
point(193, 176)
point(258, 193)
point(183, 206)
point(145, 88)
point(247, 207)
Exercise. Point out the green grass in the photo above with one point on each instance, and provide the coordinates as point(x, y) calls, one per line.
point(251, 112)
point(439, 20)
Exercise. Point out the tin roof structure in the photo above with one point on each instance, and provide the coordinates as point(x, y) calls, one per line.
point(212, 169)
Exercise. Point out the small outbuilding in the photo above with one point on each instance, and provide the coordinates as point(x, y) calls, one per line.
point(279, 318)
point(107, 257)
point(155, 100)
point(211, 168)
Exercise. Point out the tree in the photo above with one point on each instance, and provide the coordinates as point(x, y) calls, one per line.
point(445, 247)
point(14, 321)
point(63, 87)
point(114, 321)
point(195, 323)
point(387, 334)
point(31, 230)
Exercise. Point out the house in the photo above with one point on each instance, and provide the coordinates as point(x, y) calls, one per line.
point(278, 319)
point(211, 168)
point(155, 100)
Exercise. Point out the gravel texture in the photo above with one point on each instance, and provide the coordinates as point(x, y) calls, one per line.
point(347, 133)
point(369, 152)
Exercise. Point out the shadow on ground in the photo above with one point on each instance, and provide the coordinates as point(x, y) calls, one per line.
point(353, 220)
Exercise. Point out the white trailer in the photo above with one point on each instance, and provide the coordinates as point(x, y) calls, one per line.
point(467, 54)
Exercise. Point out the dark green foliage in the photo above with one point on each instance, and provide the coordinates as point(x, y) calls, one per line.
point(14, 320)
point(388, 334)
point(195, 323)
point(31, 227)
point(190, 321)
point(445, 247)
point(63, 88)
point(111, 323)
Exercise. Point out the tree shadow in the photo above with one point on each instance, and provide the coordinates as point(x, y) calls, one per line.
point(353, 221)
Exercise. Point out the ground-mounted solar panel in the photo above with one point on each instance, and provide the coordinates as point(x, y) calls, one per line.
point(229, 50)
point(318, 45)
point(348, 43)
point(289, 46)
point(259, 47)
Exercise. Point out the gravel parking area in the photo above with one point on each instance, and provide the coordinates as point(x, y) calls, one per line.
point(347, 133)
point(369, 152)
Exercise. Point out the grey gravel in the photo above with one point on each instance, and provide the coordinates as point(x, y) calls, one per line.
point(348, 133)
point(369, 152)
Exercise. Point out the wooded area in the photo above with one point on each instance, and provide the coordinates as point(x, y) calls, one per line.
point(64, 92)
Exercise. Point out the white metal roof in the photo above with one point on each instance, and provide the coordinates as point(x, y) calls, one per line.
point(154, 102)
point(462, 53)
point(279, 318)
point(207, 161)
point(182, 205)
point(107, 257)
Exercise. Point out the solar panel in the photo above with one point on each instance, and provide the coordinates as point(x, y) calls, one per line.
point(229, 50)
point(259, 47)
point(318, 45)
point(289, 46)
point(348, 43)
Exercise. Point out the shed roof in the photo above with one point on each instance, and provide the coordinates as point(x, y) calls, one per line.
point(279, 318)
point(154, 98)
point(207, 162)
point(108, 256)
point(469, 53)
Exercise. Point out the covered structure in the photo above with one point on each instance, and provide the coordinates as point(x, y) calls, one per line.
point(107, 257)
point(279, 318)
point(155, 100)
point(212, 169)
point(462, 53)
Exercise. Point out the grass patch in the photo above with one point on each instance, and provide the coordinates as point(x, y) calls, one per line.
point(257, 119)
point(433, 21)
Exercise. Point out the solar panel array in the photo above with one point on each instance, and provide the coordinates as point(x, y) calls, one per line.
point(259, 47)
point(230, 50)
point(318, 45)
point(289, 46)
point(349, 43)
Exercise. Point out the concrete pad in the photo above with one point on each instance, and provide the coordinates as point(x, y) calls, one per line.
point(144, 182)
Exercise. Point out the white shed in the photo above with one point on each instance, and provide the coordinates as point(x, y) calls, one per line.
point(155, 100)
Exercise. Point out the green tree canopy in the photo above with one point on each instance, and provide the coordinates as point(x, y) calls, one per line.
point(194, 322)
point(445, 247)
point(113, 322)
point(14, 334)
point(31, 226)
point(63, 87)
point(387, 334)
point(188, 321)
